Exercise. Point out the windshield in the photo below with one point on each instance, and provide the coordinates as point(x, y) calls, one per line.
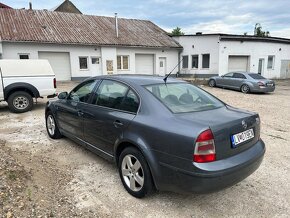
point(256, 76)
point(183, 97)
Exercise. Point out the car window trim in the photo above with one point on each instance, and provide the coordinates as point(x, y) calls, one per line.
point(129, 88)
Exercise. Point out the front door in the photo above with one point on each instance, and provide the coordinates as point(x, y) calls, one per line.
point(261, 66)
point(69, 113)
point(96, 66)
point(162, 66)
point(113, 108)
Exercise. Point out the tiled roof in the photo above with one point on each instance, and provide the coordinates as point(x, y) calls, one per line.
point(69, 28)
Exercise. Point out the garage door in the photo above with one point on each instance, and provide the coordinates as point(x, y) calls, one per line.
point(59, 62)
point(238, 63)
point(144, 63)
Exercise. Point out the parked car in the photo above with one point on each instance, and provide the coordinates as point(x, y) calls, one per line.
point(243, 81)
point(23, 80)
point(169, 136)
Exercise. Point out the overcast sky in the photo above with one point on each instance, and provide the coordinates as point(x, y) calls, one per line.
point(207, 16)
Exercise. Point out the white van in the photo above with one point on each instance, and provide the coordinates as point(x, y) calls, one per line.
point(23, 80)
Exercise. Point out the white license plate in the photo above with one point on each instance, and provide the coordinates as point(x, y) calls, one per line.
point(242, 137)
point(270, 84)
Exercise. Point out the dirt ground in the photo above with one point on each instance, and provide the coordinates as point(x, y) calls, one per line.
point(40, 177)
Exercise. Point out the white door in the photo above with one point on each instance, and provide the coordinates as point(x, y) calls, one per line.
point(238, 63)
point(285, 69)
point(162, 66)
point(59, 62)
point(144, 64)
point(96, 66)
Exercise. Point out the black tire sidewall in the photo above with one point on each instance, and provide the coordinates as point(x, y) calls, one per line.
point(209, 82)
point(245, 85)
point(15, 95)
point(148, 185)
point(57, 133)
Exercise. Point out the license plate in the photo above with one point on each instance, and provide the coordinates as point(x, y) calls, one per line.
point(270, 84)
point(242, 137)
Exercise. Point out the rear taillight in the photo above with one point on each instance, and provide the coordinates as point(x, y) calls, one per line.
point(54, 83)
point(261, 84)
point(204, 148)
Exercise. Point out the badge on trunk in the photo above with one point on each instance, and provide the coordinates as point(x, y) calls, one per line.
point(244, 124)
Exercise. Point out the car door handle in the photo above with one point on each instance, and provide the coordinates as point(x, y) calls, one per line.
point(80, 113)
point(118, 123)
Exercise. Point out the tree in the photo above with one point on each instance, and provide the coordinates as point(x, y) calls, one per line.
point(259, 32)
point(177, 32)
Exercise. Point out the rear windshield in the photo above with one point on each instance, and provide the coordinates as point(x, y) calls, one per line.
point(184, 97)
point(256, 76)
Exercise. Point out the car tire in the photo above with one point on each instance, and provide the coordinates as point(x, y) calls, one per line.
point(245, 88)
point(135, 173)
point(51, 126)
point(20, 102)
point(211, 83)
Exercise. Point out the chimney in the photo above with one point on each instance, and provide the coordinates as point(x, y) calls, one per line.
point(30, 5)
point(198, 33)
point(116, 25)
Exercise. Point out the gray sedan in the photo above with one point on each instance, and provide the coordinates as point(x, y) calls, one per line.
point(243, 81)
point(169, 136)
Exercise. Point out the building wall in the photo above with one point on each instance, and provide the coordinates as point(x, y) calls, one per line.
point(12, 51)
point(255, 51)
point(198, 45)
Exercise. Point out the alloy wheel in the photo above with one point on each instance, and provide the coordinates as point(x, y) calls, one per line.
point(50, 124)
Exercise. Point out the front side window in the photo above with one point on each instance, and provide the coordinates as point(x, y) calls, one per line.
point(229, 75)
point(239, 76)
point(185, 61)
point(83, 61)
point(194, 61)
point(183, 97)
point(205, 60)
point(116, 95)
point(83, 92)
point(122, 62)
point(270, 64)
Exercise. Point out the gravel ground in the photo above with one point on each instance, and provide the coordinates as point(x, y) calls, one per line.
point(40, 177)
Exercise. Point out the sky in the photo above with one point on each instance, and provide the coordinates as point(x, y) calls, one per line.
point(207, 16)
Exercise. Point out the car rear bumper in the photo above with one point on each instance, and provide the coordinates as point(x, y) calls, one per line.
point(263, 89)
point(210, 177)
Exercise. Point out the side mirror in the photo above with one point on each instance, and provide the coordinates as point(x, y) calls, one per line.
point(62, 95)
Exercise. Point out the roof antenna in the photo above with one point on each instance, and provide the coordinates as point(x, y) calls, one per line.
point(165, 78)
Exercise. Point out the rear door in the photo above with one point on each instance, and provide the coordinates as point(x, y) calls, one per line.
point(113, 108)
point(237, 80)
point(69, 112)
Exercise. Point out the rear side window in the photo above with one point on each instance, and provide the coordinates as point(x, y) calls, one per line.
point(256, 76)
point(83, 92)
point(239, 76)
point(116, 95)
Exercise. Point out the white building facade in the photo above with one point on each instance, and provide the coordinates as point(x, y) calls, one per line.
point(205, 55)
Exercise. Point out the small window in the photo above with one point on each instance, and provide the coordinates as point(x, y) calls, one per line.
point(24, 56)
point(270, 64)
point(205, 60)
point(83, 63)
point(122, 62)
point(185, 61)
point(95, 60)
point(239, 76)
point(83, 92)
point(194, 61)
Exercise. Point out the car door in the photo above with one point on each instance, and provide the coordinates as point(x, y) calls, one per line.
point(225, 81)
point(69, 112)
point(113, 108)
point(237, 80)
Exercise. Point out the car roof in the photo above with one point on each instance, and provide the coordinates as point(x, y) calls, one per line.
point(140, 79)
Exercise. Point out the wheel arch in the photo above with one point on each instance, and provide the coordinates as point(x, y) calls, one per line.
point(21, 86)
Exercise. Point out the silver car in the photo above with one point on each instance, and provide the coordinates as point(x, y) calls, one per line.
point(243, 81)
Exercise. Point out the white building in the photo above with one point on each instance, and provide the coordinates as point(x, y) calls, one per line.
point(205, 55)
point(79, 46)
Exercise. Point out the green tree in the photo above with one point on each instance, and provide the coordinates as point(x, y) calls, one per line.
point(259, 32)
point(177, 32)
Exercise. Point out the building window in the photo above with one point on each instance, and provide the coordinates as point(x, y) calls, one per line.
point(270, 64)
point(83, 63)
point(95, 60)
point(185, 61)
point(122, 62)
point(194, 61)
point(205, 60)
point(23, 56)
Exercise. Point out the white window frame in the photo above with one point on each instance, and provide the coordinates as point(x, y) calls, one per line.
point(80, 63)
point(273, 62)
point(28, 54)
point(208, 61)
point(122, 62)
